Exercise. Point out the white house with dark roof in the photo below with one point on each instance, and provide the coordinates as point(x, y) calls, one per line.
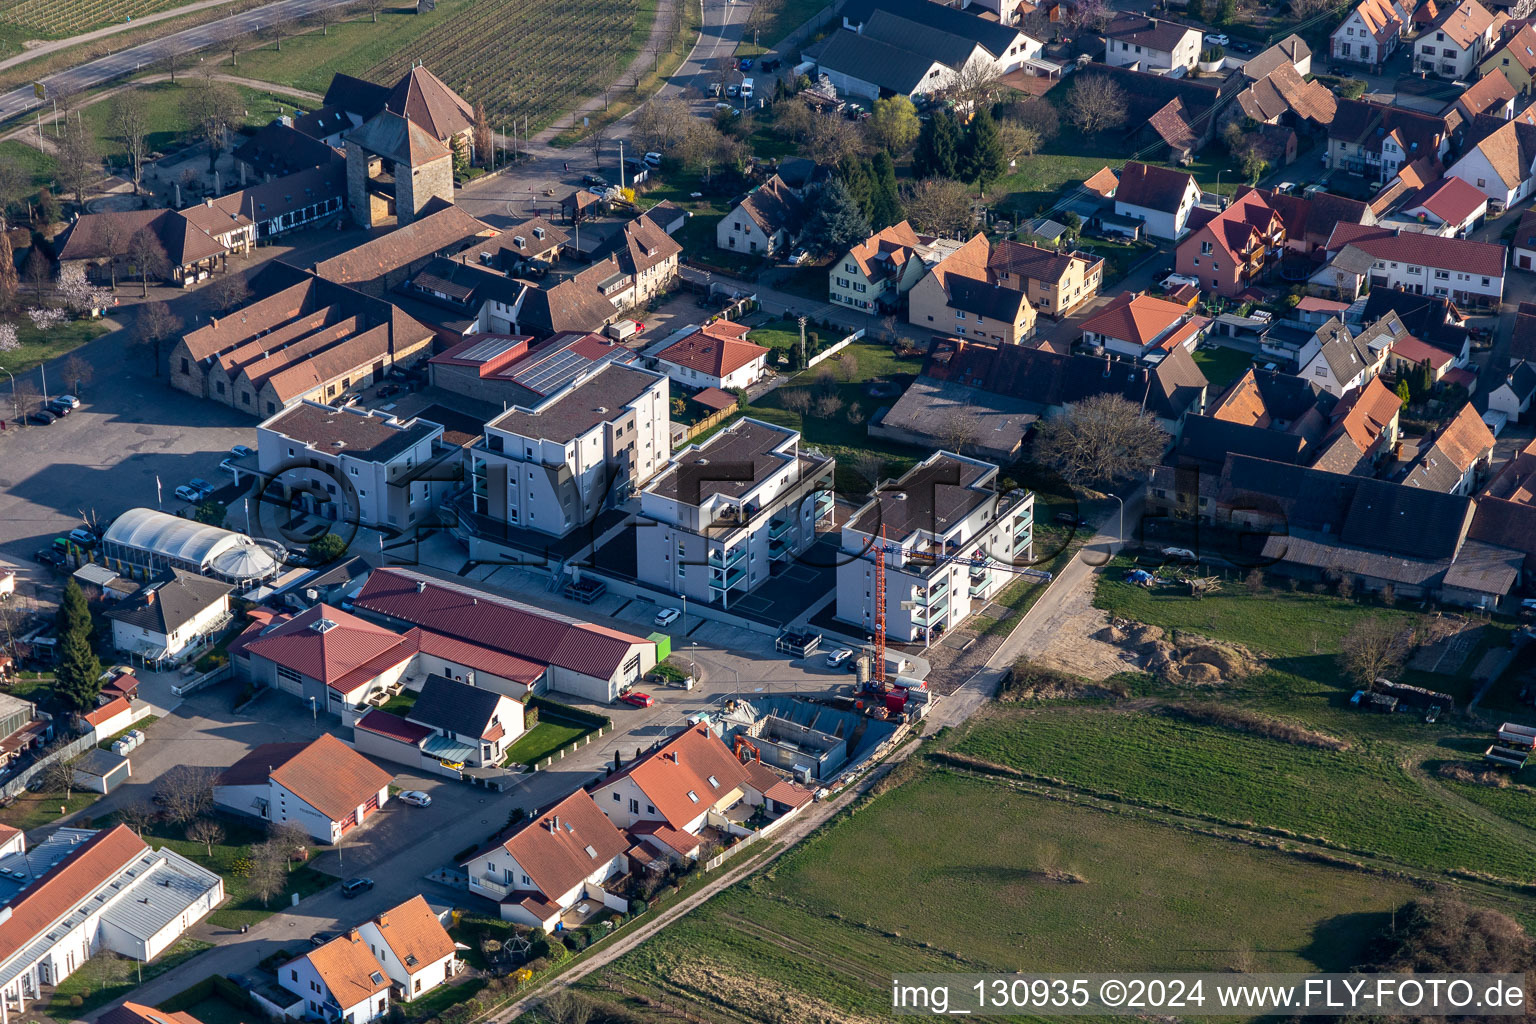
point(544, 867)
point(1160, 198)
point(167, 616)
point(1513, 395)
point(469, 724)
point(766, 221)
point(717, 355)
point(729, 514)
point(324, 787)
point(1151, 44)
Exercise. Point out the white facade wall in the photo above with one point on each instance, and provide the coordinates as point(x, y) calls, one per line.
point(1475, 169)
point(1503, 399)
point(370, 483)
point(1180, 60)
point(301, 978)
point(1158, 223)
point(740, 377)
point(414, 981)
point(506, 875)
point(131, 639)
point(1423, 279)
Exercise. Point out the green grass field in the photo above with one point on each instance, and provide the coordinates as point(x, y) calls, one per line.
point(169, 127)
point(1360, 799)
point(542, 740)
point(40, 348)
point(1221, 366)
point(40, 165)
point(32, 810)
point(106, 977)
point(950, 873)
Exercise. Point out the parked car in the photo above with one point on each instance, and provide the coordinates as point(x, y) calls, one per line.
point(241, 451)
point(321, 938)
point(59, 408)
point(353, 887)
point(203, 487)
point(81, 535)
point(653, 159)
point(69, 400)
point(390, 390)
point(186, 493)
point(638, 699)
point(667, 616)
point(1216, 39)
point(837, 656)
point(415, 797)
point(1070, 519)
point(41, 418)
point(798, 257)
point(772, 64)
point(595, 180)
point(746, 64)
point(733, 91)
point(47, 556)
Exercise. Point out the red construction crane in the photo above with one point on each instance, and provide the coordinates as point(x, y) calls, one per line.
point(877, 672)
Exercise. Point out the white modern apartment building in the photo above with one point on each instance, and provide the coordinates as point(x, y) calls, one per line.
point(728, 514)
point(948, 539)
point(553, 467)
point(340, 463)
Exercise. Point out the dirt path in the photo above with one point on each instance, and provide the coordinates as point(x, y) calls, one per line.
point(1064, 638)
point(54, 45)
point(1433, 787)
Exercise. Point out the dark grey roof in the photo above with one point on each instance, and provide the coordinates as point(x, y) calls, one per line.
point(342, 431)
point(599, 399)
point(937, 18)
point(277, 149)
point(982, 297)
point(467, 284)
point(1407, 520)
point(873, 61)
point(731, 462)
point(455, 707)
point(1209, 441)
point(944, 47)
point(169, 603)
point(933, 496)
point(1344, 353)
point(1426, 317)
point(1522, 380)
point(1153, 33)
point(356, 96)
point(1308, 499)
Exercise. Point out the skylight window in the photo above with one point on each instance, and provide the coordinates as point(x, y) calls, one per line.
point(714, 783)
point(376, 978)
point(693, 796)
point(410, 960)
point(591, 852)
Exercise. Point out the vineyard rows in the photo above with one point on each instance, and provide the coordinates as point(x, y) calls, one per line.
point(68, 17)
point(525, 58)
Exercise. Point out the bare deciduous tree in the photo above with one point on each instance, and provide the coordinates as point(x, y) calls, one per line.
point(796, 400)
point(1100, 440)
point(870, 465)
point(958, 431)
point(1096, 103)
point(975, 82)
point(59, 776)
point(268, 869)
point(131, 124)
point(149, 257)
point(15, 182)
point(137, 816)
point(291, 839)
point(661, 124)
point(832, 139)
point(938, 206)
point(206, 831)
point(229, 291)
point(186, 792)
point(212, 108)
point(1374, 646)
point(154, 323)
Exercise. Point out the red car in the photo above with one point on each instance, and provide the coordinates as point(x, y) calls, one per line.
point(638, 699)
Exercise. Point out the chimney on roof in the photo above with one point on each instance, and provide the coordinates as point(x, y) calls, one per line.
point(383, 920)
point(354, 936)
point(421, 586)
point(149, 595)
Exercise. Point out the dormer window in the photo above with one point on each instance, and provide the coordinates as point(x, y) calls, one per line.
point(520, 241)
point(538, 233)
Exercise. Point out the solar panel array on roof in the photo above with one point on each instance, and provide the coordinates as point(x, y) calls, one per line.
point(490, 348)
point(549, 375)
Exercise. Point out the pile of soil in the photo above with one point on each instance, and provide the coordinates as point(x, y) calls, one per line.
point(1184, 659)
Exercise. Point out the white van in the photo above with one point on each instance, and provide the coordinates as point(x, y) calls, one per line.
point(746, 88)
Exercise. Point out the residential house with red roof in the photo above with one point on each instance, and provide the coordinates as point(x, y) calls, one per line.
point(550, 651)
point(89, 893)
point(1456, 42)
point(1409, 351)
point(545, 866)
point(411, 944)
point(1233, 249)
point(1452, 460)
point(1450, 207)
point(1162, 199)
point(1491, 95)
point(340, 981)
point(1467, 272)
point(671, 793)
point(1369, 34)
point(1498, 157)
point(717, 355)
point(1364, 429)
point(1515, 59)
point(323, 655)
point(324, 787)
point(1135, 323)
point(1056, 282)
point(877, 272)
point(963, 295)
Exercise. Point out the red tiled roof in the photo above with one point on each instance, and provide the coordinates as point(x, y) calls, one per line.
point(1152, 187)
point(1419, 352)
point(483, 659)
point(349, 969)
point(552, 848)
point(1137, 319)
point(718, 349)
point(1458, 254)
point(414, 934)
point(396, 728)
point(107, 711)
point(332, 654)
point(682, 765)
point(138, 1013)
point(66, 884)
point(1450, 199)
point(714, 398)
point(775, 787)
point(495, 623)
point(685, 843)
point(327, 774)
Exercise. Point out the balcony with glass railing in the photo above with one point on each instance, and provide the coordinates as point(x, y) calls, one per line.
point(725, 579)
point(779, 527)
point(724, 560)
point(932, 594)
point(933, 614)
point(982, 587)
point(779, 548)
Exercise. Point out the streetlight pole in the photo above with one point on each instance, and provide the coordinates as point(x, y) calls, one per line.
point(1120, 530)
point(14, 405)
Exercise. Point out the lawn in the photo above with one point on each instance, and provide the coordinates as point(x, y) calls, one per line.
point(401, 702)
point(1221, 366)
point(1359, 798)
point(916, 882)
point(33, 810)
point(215, 1009)
point(542, 740)
point(169, 127)
point(37, 348)
point(40, 165)
point(107, 977)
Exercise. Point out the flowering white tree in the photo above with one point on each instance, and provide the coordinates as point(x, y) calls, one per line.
point(79, 294)
point(45, 318)
point(8, 340)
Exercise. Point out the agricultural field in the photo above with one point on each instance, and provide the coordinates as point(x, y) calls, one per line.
point(1037, 884)
point(57, 19)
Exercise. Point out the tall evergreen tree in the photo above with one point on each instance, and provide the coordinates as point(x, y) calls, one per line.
point(982, 160)
point(77, 678)
point(859, 180)
point(885, 210)
point(938, 147)
point(836, 224)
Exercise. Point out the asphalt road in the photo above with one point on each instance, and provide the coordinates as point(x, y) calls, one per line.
point(124, 62)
